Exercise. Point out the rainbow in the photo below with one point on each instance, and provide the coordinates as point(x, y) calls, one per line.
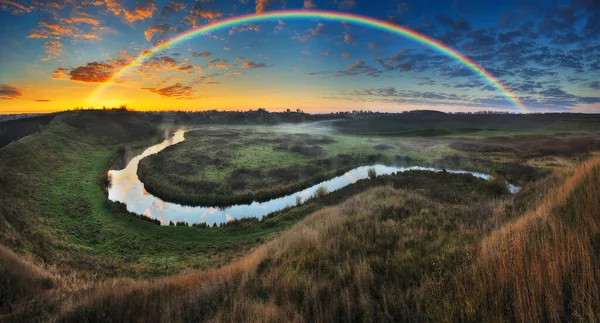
point(319, 15)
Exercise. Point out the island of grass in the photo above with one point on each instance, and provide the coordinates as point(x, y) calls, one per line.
point(233, 165)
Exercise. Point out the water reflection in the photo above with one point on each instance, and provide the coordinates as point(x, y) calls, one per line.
point(127, 188)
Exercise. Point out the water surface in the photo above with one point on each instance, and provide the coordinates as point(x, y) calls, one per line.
point(127, 188)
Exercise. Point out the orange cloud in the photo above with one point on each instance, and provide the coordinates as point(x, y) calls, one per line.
point(263, 5)
point(16, 7)
point(54, 30)
point(198, 12)
point(8, 92)
point(220, 63)
point(176, 91)
point(159, 29)
point(165, 62)
point(251, 65)
point(309, 4)
point(142, 11)
point(94, 72)
point(61, 73)
point(53, 49)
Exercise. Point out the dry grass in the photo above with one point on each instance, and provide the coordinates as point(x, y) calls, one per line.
point(545, 265)
point(21, 282)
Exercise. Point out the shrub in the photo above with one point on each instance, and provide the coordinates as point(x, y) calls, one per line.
point(320, 192)
point(298, 200)
point(372, 173)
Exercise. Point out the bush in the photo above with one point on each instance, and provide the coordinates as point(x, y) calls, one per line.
point(298, 200)
point(320, 192)
point(372, 173)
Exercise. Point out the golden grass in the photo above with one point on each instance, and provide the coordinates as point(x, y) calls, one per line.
point(544, 266)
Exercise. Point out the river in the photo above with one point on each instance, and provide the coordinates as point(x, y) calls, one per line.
point(127, 188)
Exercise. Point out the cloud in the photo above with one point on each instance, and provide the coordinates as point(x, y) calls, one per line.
point(94, 72)
point(61, 73)
point(159, 30)
point(172, 8)
point(165, 62)
point(79, 17)
point(251, 65)
point(347, 4)
point(176, 91)
point(42, 100)
point(8, 92)
point(142, 11)
point(308, 4)
point(402, 7)
point(248, 27)
point(47, 29)
point(263, 5)
point(594, 85)
point(53, 49)
point(346, 55)
point(326, 53)
point(447, 21)
point(203, 55)
point(220, 63)
point(314, 32)
point(198, 12)
point(16, 7)
point(349, 38)
point(359, 68)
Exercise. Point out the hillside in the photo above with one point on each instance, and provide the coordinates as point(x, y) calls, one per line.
point(384, 256)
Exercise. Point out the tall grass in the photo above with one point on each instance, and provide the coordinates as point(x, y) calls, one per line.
point(545, 265)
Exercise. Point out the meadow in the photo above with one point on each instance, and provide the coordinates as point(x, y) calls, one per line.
point(416, 246)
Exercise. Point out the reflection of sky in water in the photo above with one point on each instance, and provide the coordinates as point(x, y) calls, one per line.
point(127, 188)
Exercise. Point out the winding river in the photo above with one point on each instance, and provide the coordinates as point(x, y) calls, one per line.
point(127, 188)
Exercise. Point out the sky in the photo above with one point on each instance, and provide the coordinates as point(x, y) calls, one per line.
point(60, 54)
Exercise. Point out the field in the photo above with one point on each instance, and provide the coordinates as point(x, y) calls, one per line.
point(417, 246)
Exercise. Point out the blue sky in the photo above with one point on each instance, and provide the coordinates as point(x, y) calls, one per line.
point(55, 53)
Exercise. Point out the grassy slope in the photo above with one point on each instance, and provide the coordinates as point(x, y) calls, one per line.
point(389, 255)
